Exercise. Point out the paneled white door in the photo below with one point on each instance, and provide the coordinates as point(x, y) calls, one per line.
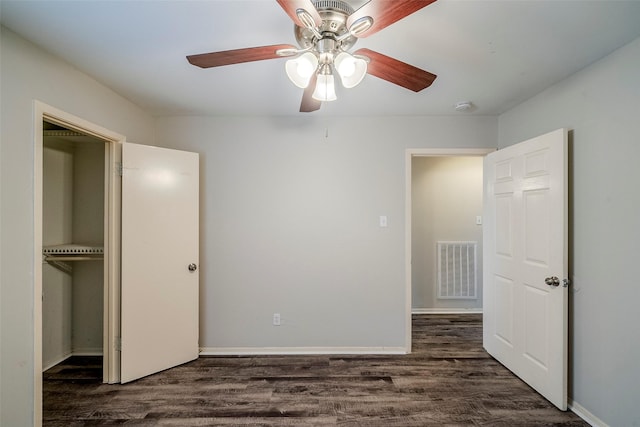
point(525, 262)
point(159, 318)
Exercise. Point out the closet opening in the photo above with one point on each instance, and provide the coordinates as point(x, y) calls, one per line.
point(63, 326)
point(74, 189)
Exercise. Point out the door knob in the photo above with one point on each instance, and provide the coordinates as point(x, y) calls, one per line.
point(552, 281)
point(192, 267)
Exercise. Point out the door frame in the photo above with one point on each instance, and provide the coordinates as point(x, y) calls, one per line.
point(111, 300)
point(410, 153)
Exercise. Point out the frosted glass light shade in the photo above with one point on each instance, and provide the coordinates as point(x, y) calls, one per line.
point(351, 69)
point(300, 69)
point(325, 88)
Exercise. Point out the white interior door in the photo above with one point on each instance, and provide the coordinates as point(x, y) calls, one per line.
point(525, 247)
point(159, 326)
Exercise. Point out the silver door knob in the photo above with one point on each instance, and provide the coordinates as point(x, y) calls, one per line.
point(193, 267)
point(552, 281)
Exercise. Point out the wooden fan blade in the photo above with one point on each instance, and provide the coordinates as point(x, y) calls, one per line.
point(386, 12)
point(291, 6)
point(395, 71)
point(309, 103)
point(237, 56)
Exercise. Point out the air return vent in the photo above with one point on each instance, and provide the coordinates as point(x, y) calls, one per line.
point(457, 270)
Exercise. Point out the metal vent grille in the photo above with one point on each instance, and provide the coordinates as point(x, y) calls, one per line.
point(457, 270)
point(336, 5)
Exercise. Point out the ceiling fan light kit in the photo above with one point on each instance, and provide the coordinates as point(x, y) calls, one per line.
point(351, 69)
point(326, 56)
point(300, 69)
point(325, 31)
point(325, 86)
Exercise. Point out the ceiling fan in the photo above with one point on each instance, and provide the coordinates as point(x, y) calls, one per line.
point(325, 31)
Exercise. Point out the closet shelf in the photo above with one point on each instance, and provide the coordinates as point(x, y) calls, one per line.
point(72, 249)
point(58, 255)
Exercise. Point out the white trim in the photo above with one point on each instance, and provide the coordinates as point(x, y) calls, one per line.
point(87, 352)
point(43, 112)
point(84, 352)
point(410, 153)
point(446, 311)
point(256, 351)
point(38, 116)
point(111, 311)
point(583, 413)
point(56, 361)
point(449, 152)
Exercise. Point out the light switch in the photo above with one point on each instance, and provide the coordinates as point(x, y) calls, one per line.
point(478, 220)
point(383, 220)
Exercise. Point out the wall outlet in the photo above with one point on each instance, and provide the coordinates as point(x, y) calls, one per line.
point(276, 319)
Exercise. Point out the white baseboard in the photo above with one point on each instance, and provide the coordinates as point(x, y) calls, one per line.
point(587, 416)
point(446, 311)
point(46, 365)
point(78, 352)
point(87, 352)
point(262, 351)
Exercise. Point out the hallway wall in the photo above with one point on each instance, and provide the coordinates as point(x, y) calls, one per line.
point(446, 198)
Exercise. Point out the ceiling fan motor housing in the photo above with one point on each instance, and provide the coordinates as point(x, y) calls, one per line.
point(334, 14)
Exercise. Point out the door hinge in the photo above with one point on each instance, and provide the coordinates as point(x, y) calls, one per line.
point(118, 343)
point(119, 168)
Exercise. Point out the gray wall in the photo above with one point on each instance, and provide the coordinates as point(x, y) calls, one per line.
point(28, 74)
point(600, 107)
point(446, 198)
point(290, 224)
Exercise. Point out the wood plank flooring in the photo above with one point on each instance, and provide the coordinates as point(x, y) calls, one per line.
point(448, 380)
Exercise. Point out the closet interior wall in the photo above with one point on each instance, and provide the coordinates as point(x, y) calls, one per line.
point(73, 212)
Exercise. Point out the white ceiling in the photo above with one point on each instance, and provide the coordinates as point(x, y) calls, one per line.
point(496, 53)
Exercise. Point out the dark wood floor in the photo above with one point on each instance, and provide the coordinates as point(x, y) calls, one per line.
point(449, 380)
